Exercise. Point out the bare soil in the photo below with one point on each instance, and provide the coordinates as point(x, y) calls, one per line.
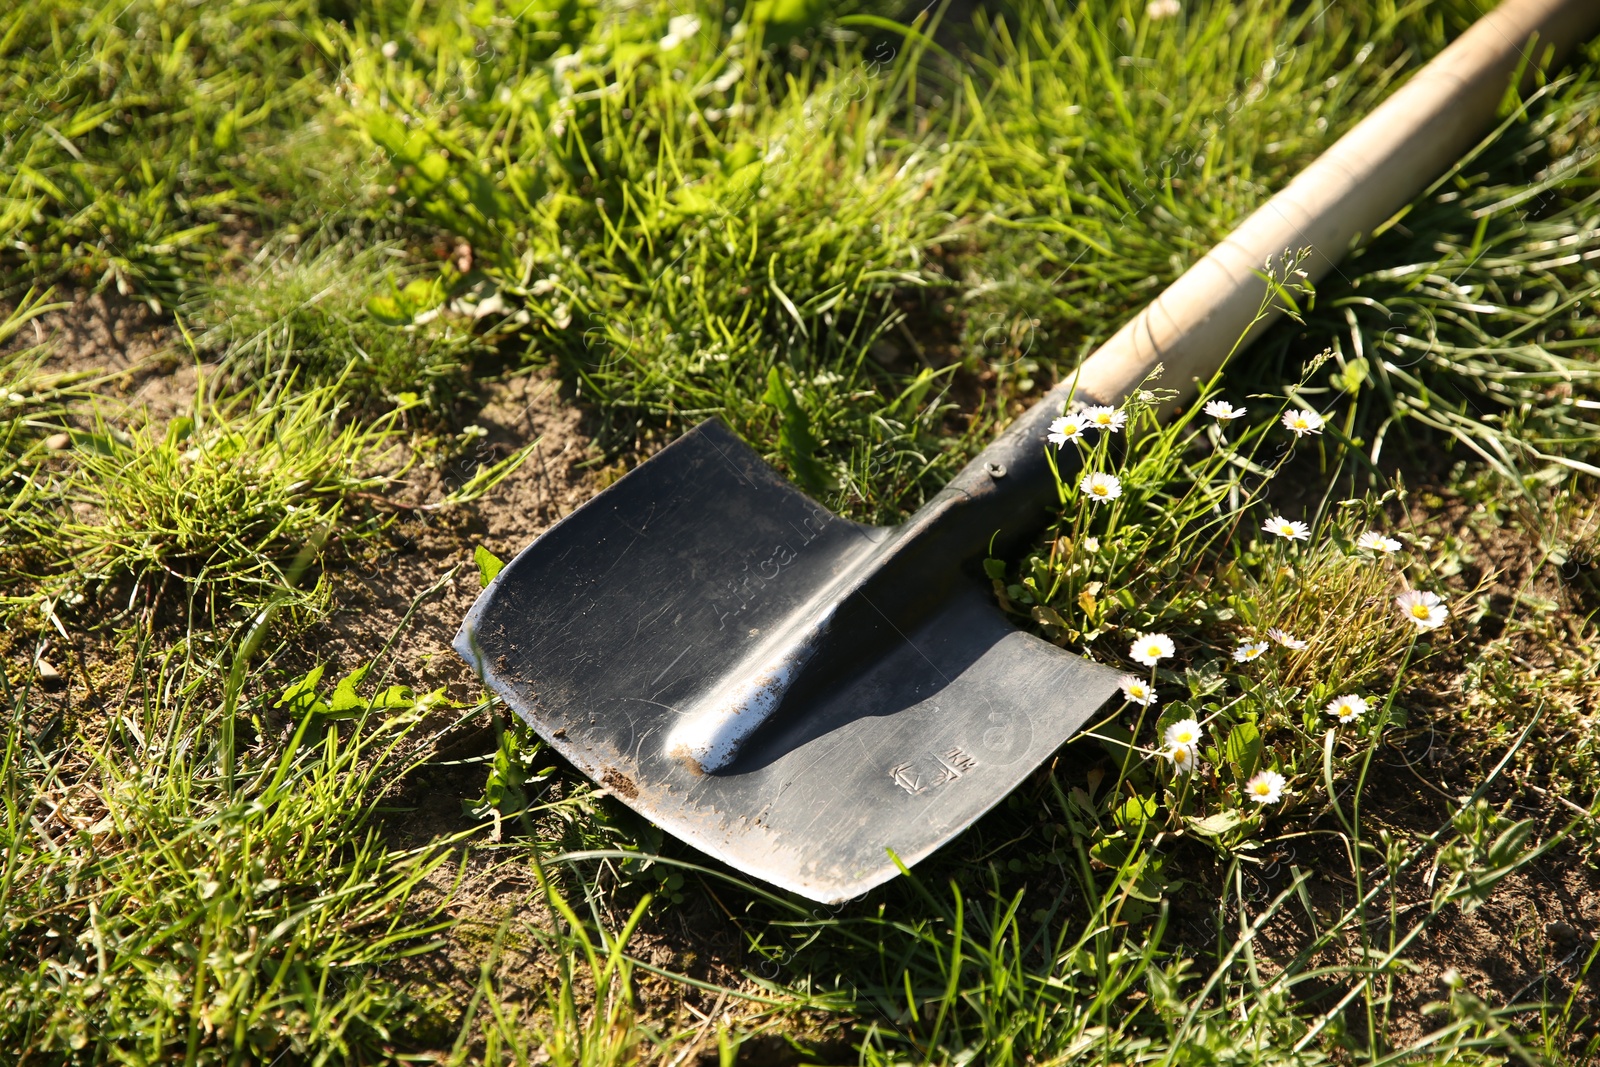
point(434, 549)
point(130, 352)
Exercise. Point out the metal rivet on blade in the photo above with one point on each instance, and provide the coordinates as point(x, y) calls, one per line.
point(996, 470)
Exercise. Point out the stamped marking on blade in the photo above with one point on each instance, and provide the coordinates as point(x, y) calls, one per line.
point(950, 766)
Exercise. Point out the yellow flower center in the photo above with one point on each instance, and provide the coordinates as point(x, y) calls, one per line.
point(1262, 789)
point(1421, 611)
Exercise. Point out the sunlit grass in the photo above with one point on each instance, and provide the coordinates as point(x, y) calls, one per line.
point(207, 510)
point(862, 249)
point(312, 310)
point(137, 134)
point(154, 912)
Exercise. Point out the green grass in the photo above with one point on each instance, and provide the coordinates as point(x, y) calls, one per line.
point(142, 131)
point(319, 307)
point(1106, 160)
point(864, 247)
point(1474, 315)
point(154, 913)
point(208, 510)
point(655, 211)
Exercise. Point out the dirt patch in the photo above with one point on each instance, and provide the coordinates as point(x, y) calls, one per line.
point(1526, 943)
point(619, 783)
point(121, 348)
point(426, 570)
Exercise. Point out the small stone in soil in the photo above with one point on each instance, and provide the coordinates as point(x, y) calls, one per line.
point(51, 678)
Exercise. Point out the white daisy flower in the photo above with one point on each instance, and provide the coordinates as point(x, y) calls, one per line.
point(1302, 422)
point(1347, 708)
point(1424, 609)
point(1137, 690)
point(1091, 545)
point(679, 29)
point(1066, 428)
point(1286, 639)
point(1265, 788)
point(1222, 411)
point(1183, 734)
point(1151, 647)
point(1291, 530)
point(1100, 487)
point(1182, 759)
point(1248, 650)
point(1373, 541)
point(1105, 417)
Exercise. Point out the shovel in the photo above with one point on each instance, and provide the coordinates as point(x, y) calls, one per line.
point(817, 702)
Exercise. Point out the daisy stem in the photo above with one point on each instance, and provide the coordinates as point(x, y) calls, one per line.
point(1055, 471)
point(1127, 755)
point(1175, 813)
point(1077, 547)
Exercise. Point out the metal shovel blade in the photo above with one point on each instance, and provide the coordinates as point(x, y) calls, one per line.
point(790, 692)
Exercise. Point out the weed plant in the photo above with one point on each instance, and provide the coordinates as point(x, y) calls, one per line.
point(219, 501)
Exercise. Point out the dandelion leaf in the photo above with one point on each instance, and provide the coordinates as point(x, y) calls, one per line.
point(1243, 749)
point(796, 443)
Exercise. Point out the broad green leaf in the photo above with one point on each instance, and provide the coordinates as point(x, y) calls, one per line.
point(301, 698)
point(796, 443)
point(179, 429)
point(346, 702)
point(1134, 812)
point(396, 696)
point(1243, 749)
point(489, 565)
point(1218, 824)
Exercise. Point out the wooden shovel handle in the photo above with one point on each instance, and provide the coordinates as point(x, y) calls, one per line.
point(1351, 189)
